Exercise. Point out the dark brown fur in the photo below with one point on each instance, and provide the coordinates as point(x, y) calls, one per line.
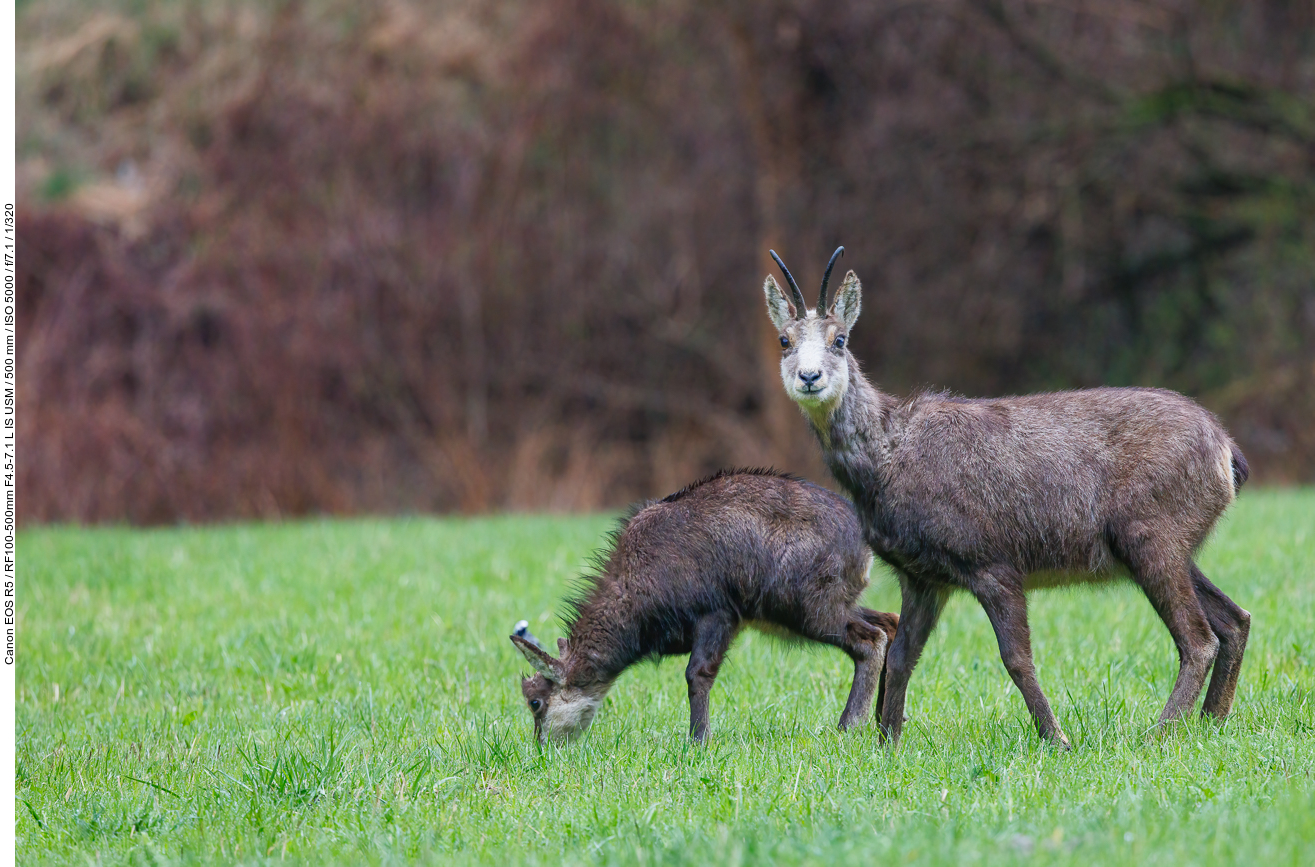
point(686, 573)
point(998, 496)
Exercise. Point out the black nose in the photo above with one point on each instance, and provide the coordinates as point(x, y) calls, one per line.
point(810, 378)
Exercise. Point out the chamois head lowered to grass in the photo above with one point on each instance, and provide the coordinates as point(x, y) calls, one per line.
point(684, 574)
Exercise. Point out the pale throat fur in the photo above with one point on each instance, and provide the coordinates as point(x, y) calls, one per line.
point(849, 420)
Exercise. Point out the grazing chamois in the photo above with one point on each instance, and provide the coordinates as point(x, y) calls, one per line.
point(684, 574)
point(997, 496)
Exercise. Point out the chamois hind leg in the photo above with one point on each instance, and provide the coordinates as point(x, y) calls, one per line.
point(712, 638)
point(920, 608)
point(890, 624)
point(887, 621)
point(1002, 596)
point(838, 622)
point(1166, 579)
point(866, 644)
point(1231, 624)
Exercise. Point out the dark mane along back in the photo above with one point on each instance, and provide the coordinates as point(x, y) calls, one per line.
point(720, 474)
point(585, 585)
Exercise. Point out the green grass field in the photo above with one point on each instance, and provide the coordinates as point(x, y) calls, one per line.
point(345, 692)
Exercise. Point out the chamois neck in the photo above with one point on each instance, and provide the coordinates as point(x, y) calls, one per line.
point(598, 649)
point(856, 434)
point(860, 411)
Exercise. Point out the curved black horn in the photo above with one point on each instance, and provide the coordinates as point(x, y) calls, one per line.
point(826, 278)
point(800, 305)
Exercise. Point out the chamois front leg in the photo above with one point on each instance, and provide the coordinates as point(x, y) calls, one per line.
point(712, 638)
point(1005, 602)
point(920, 608)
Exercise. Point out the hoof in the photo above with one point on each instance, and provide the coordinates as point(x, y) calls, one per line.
point(1164, 729)
point(1059, 741)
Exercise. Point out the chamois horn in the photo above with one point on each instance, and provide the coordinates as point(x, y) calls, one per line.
point(826, 278)
point(799, 303)
point(522, 629)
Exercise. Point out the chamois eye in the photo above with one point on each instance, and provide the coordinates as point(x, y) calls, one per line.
point(534, 704)
point(840, 341)
point(785, 342)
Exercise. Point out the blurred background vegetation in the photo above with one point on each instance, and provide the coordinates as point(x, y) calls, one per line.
point(334, 256)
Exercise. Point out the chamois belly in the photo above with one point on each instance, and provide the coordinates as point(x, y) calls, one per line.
point(1047, 557)
point(775, 630)
point(1048, 578)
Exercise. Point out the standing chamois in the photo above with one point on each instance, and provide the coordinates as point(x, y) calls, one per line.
point(997, 496)
point(685, 573)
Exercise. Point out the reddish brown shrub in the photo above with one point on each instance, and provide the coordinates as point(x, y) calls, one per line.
point(344, 257)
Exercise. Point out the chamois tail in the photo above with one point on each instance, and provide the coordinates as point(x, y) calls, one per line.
point(1240, 469)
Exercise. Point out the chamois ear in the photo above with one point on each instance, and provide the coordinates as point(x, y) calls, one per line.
point(542, 662)
point(779, 307)
point(848, 301)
